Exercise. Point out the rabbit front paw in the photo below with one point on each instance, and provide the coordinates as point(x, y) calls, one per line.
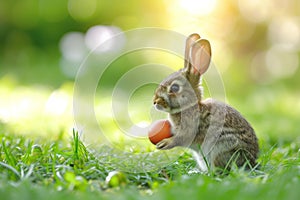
point(167, 143)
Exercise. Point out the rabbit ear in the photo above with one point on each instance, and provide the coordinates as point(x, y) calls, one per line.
point(200, 55)
point(189, 42)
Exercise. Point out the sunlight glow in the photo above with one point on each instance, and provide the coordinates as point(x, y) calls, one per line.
point(57, 103)
point(198, 7)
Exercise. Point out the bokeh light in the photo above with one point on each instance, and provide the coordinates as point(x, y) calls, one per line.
point(98, 35)
point(285, 33)
point(275, 63)
point(255, 44)
point(281, 63)
point(72, 46)
point(256, 11)
point(75, 46)
point(73, 49)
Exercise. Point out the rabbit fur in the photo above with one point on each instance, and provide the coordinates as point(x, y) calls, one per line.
point(218, 134)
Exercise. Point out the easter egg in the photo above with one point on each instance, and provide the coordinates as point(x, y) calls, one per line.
point(159, 130)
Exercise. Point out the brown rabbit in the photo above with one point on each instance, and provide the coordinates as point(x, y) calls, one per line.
point(217, 133)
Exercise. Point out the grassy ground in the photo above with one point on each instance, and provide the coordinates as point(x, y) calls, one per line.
point(39, 159)
point(35, 169)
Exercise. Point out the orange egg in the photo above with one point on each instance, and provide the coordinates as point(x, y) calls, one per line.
point(159, 130)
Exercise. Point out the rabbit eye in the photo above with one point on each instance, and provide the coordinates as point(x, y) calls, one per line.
point(174, 88)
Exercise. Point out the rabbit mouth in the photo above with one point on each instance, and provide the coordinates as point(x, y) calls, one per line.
point(159, 107)
point(163, 105)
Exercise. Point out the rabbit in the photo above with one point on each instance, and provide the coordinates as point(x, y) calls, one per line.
point(217, 133)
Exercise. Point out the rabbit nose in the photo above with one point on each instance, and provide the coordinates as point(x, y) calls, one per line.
point(158, 103)
point(157, 100)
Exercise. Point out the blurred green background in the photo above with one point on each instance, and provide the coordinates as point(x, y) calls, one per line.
point(256, 48)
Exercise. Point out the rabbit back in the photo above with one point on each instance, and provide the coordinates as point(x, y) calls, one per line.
point(225, 136)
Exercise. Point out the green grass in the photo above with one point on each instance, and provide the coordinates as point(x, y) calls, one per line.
point(60, 169)
point(40, 159)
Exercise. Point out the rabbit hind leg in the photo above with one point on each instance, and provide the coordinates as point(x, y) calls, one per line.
point(237, 157)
